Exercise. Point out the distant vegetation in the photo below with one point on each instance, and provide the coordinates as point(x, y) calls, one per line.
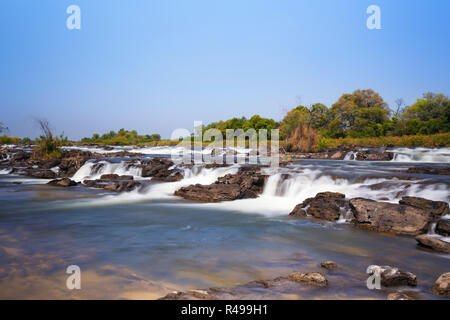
point(121, 138)
point(48, 144)
point(360, 118)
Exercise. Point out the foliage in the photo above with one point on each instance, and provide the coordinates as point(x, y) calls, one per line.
point(48, 144)
point(303, 139)
point(255, 122)
point(122, 137)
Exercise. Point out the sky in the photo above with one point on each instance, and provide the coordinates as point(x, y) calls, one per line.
point(158, 65)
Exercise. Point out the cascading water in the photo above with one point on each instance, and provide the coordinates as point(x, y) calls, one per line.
point(92, 170)
point(441, 155)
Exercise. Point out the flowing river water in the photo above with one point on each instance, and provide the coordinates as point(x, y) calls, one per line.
point(146, 243)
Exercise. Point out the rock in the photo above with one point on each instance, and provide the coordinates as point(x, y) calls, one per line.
point(41, 174)
point(338, 155)
point(329, 265)
point(48, 163)
point(399, 296)
point(374, 155)
point(430, 170)
point(442, 286)
point(65, 182)
point(325, 205)
point(433, 243)
point(115, 177)
point(122, 186)
point(389, 217)
point(21, 155)
point(443, 227)
point(315, 279)
point(160, 169)
point(247, 183)
point(437, 208)
point(391, 276)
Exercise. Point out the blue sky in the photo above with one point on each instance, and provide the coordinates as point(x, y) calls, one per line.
point(158, 65)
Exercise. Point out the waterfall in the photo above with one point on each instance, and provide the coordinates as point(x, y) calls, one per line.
point(351, 156)
point(441, 155)
point(93, 170)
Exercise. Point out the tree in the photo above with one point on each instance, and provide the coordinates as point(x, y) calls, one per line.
point(359, 114)
point(320, 116)
point(293, 119)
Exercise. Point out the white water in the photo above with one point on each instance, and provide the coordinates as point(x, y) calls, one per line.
point(88, 172)
point(438, 155)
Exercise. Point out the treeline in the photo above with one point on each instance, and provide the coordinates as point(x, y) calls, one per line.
point(122, 137)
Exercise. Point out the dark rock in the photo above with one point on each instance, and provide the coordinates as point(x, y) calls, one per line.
point(430, 170)
point(65, 182)
point(391, 276)
point(433, 243)
point(442, 286)
point(388, 217)
point(115, 177)
point(247, 183)
point(326, 205)
point(374, 155)
point(329, 265)
point(48, 163)
point(160, 169)
point(21, 155)
point(41, 174)
point(122, 186)
point(443, 227)
point(436, 208)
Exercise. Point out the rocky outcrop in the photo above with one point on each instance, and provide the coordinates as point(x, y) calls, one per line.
point(389, 217)
point(248, 182)
point(442, 286)
point(315, 279)
point(374, 155)
point(391, 276)
point(433, 243)
point(329, 265)
point(65, 182)
point(113, 182)
point(443, 227)
point(445, 171)
point(436, 208)
point(159, 169)
point(41, 174)
point(325, 205)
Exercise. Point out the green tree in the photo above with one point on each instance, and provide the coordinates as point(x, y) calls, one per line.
point(293, 119)
point(320, 116)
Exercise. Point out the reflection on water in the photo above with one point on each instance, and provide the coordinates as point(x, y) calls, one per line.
point(148, 243)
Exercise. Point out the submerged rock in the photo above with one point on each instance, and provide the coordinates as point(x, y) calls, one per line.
point(389, 217)
point(433, 243)
point(442, 286)
point(443, 227)
point(430, 170)
point(325, 205)
point(329, 265)
point(399, 296)
point(315, 279)
point(247, 183)
point(65, 182)
point(391, 276)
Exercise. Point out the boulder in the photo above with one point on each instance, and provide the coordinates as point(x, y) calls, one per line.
point(21, 155)
point(160, 169)
point(436, 208)
point(325, 205)
point(122, 186)
point(374, 155)
point(247, 183)
point(329, 265)
point(41, 174)
point(389, 217)
point(443, 227)
point(115, 177)
point(391, 276)
point(65, 182)
point(433, 243)
point(442, 286)
point(315, 279)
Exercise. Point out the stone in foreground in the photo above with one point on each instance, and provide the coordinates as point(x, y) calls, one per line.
point(392, 277)
point(442, 286)
point(329, 265)
point(433, 243)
